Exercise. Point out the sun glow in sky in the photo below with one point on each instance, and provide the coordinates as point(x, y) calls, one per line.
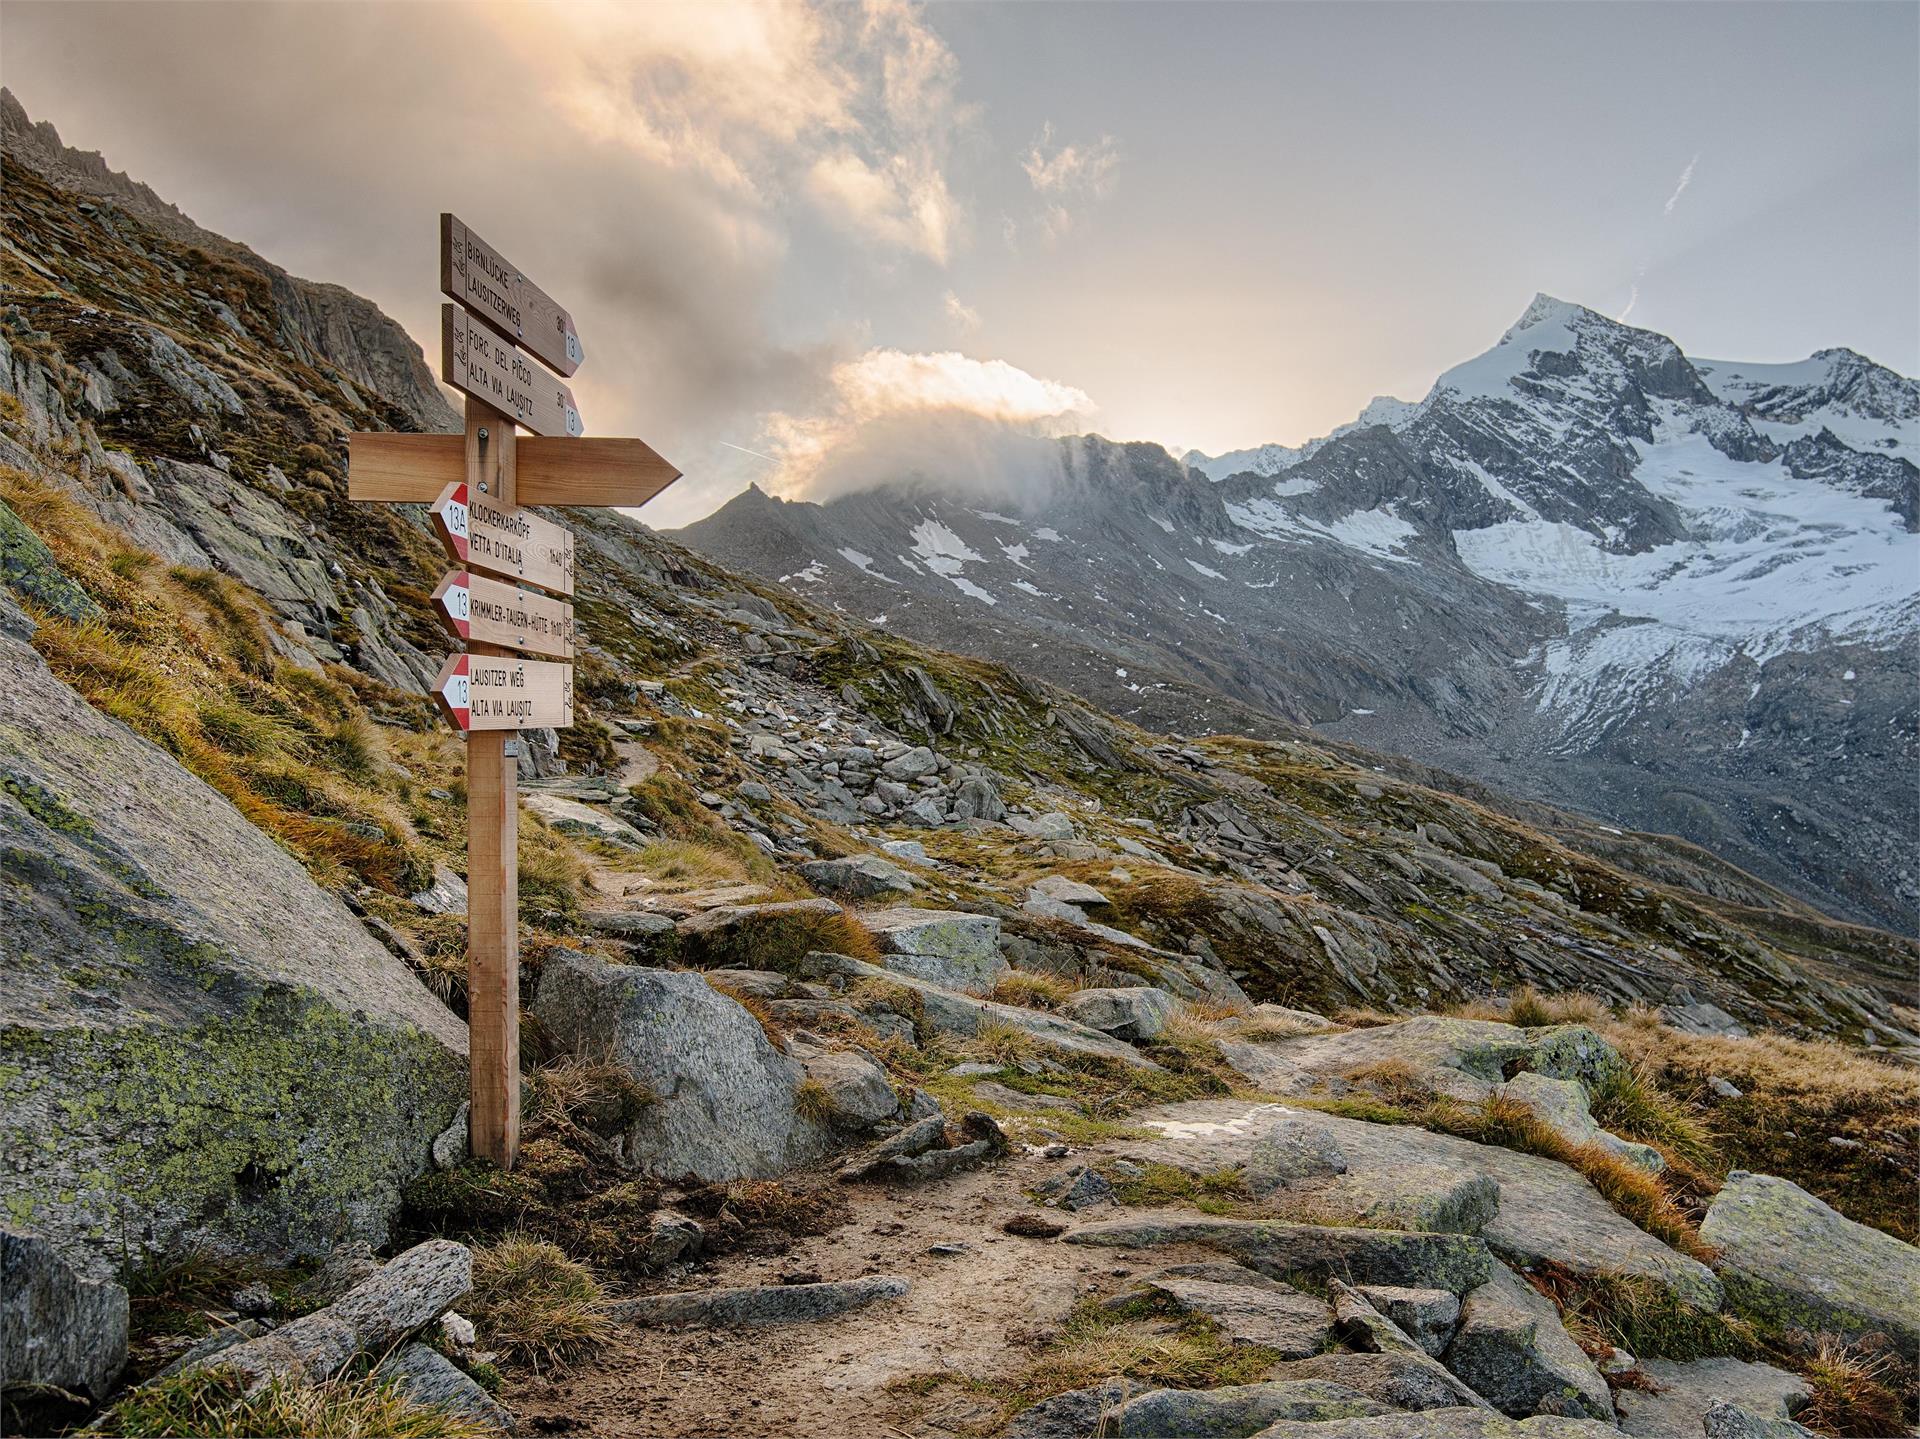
point(784, 227)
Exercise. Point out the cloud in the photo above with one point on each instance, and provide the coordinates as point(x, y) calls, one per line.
point(1679, 189)
point(1066, 176)
point(960, 312)
point(889, 417)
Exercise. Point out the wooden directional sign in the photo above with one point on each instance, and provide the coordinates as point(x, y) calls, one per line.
point(479, 277)
point(477, 361)
point(490, 612)
point(414, 469)
point(481, 692)
point(504, 539)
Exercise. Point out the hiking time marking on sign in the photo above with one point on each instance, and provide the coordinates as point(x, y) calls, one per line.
point(486, 692)
point(479, 277)
point(475, 360)
point(504, 539)
point(490, 612)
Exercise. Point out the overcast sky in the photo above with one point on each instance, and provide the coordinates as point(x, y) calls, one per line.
point(804, 231)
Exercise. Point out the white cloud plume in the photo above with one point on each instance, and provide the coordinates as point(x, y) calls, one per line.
point(894, 418)
point(960, 312)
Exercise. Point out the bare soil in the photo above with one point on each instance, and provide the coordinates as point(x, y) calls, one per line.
point(975, 1313)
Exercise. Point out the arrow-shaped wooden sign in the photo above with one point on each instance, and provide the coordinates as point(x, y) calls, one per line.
point(479, 277)
point(489, 612)
point(477, 361)
point(504, 539)
point(480, 692)
point(599, 470)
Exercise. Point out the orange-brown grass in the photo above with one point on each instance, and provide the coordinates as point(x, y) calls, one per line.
point(1855, 1393)
point(1032, 991)
point(1796, 1096)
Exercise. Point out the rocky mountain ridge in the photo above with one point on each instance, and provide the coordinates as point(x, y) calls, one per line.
point(1678, 596)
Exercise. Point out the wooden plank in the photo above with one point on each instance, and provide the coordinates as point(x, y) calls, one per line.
point(491, 612)
point(502, 540)
point(480, 364)
point(479, 277)
point(493, 867)
point(504, 692)
point(391, 468)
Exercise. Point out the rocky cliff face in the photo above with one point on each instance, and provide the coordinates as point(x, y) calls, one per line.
point(1679, 595)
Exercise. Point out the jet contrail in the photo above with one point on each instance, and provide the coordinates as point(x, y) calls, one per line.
point(1686, 179)
point(745, 451)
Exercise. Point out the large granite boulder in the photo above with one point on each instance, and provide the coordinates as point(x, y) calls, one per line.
point(1677, 1405)
point(229, 1061)
point(723, 1095)
point(1313, 1252)
point(1791, 1260)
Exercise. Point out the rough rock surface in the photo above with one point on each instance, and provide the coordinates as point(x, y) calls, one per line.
point(1136, 1013)
point(1398, 1380)
point(950, 948)
point(409, 1292)
point(428, 1377)
point(1562, 1103)
point(770, 1304)
point(1512, 1348)
point(860, 876)
point(1546, 1210)
point(1793, 1260)
point(724, 1096)
point(1678, 1408)
point(1445, 1424)
point(1237, 1410)
point(57, 1328)
point(1426, 1316)
point(1246, 1307)
point(1313, 1251)
point(228, 1058)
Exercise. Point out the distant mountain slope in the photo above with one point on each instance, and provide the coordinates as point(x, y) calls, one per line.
point(1681, 595)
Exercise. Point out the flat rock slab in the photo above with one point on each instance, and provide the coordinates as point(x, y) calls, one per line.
point(1139, 1012)
point(1546, 1210)
point(1426, 1316)
point(1398, 1380)
point(570, 816)
point(1236, 1410)
point(1312, 1251)
point(1791, 1259)
point(1444, 1424)
point(1678, 1410)
point(1246, 1307)
point(950, 948)
point(758, 1307)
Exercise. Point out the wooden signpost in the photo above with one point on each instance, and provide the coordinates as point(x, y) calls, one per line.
point(478, 486)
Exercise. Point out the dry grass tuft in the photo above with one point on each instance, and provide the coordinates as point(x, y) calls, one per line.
point(1032, 991)
point(211, 1403)
point(1854, 1393)
point(1530, 1009)
point(536, 1306)
point(813, 1101)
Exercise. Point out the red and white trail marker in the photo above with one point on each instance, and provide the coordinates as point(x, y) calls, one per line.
point(492, 612)
point(487, 692)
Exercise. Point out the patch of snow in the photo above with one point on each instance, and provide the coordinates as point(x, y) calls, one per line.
point(864, 564)
point(1359, 712)
point(1164, 524)
point(1017, 553)
point(1047, 533)
point(1210, 574)
point(1229, 549)
point(812, 574)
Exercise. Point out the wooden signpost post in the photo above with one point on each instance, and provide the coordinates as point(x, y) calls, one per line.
point(478, 486)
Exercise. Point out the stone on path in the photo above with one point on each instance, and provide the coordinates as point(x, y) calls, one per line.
point(1368, 1329)
point(1687, 1391)
point(1426, 1316)
point(1512, 1348)
point(1138, 1012)
point(408, 1293)
point(570, 816)
point(57, 1328)
point(1235, 1411)
point(1792, 1260)
point(1730, 1421)
point(760, 1306)
point(1067, 890)
point(1399, 1380)
point(1445, 1424)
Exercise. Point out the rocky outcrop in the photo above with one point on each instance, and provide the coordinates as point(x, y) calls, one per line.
point(1789, 1259)
point(1136, 1013)
point(954, 950)
point(228, 1058)
point(1682, 1394)
point(722, 1096)
point(1244, 1306)
point(756, 1307)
